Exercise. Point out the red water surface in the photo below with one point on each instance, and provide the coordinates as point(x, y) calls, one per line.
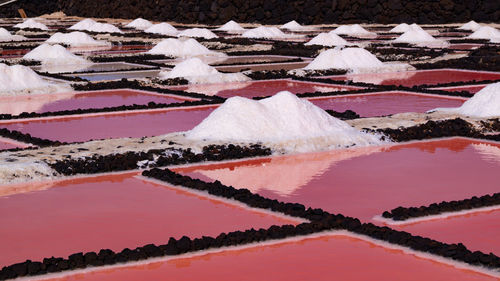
point(115, 212)
point(368, 181)
point(323, 258)
point(468, 88)
point(94, 99)
point(478, 231)
point(71, 129)
point(369, 105)
point(263, 88)
point(420, 77)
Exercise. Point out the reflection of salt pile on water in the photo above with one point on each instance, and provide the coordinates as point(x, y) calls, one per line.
point(327, 39)
point(197, 32)
point(214, 89)
point(355, 60)
point(283, 122)
point(486, 32)
point(91, 25)
point(265, 32)
point(6, 36)
point(485, 103)
point(76, 38)
point(353, 30)
point(162, 29)
point(31, 23)
point(54, 54)
point(471, 25)
point(284, 175)
point(231, 26)
point(182, 48)
point(18, 104)
point(140, 24)
point(488, 152)
point(18, 79)
point(416, 35)
point(197, 72)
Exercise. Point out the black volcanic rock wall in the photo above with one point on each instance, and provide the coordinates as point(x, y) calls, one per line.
point(272, 11)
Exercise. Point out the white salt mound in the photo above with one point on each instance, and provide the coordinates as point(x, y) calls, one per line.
point(231, 26)
point(6, 36)
point(31, 23)
point(400, 28)
point(293, 25)
point(91, 25)
point(327, 39)
point(140, 24)
point(419, 37)
point(197, 32)
point(198, 72)
point(353, 30)
point(485, 103)
point(163, 29)
point(348, 58)
point(19, 79)
point(54, 54)
point(83, 24)
point(76, 38)
point(486, 32)
point(264, 32)
point(282, 121)
point(471, 25)
point(182, 48)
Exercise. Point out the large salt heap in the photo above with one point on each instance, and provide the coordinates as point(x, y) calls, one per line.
point(139, 23)
point(93, 26)
point(19, 79)
point(353, 30)
point(400, 28)
point(83, 24)
point(471, 25)
point(416, 35)
point(486, 32)
point(182, 48)
point(75, 38)
point(231, 26)
point(197, 33)
point(54, 54)
point(327, 39)
point(197, 72)
point(163, 29)
point(265, 32)
point(295, 26)
point(485, 103)
point(31, 23)
point(283, 122)
point(5, 36)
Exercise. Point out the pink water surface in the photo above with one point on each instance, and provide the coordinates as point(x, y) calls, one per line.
point(112, 211)
point(71, 129)
point(468, 88)
point(478, 231)
point(69, 101)
point(420, 77)
point(263, 88)
point(386, 103)
point(7, 145)
point(322, 258)
point(365, 182)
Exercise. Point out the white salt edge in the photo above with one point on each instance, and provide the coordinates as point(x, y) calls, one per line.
point(485, 103)
point(198, 32)
point(283, 122)
point(182, 48)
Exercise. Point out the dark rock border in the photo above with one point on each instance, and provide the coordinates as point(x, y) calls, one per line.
point(27, 138)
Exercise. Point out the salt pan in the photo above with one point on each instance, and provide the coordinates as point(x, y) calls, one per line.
point(163, 29)
point(231, 26)
point(182, 48)
point(198, 32)
point(140, 24)
point(31, 23)
point(327, 39)
point(76, 38)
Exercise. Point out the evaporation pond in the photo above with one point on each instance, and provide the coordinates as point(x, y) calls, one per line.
point(83, 100)
point(262, 88)
point(420, 77)
point(115, 212)
point(116, 75)
point(330, 257)
point(467, 88)
point(96, 67)
point(114, 125)
point(385, 103)
point(365, 182)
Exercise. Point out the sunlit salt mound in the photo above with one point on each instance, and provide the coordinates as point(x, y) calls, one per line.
point(19, 79)
point(163, 29)
point(471, 25)
point(182, 48)
point(282, 121)
point(419, 36)
point(327, 39)
point(264, 32)
point(485, 103)
point(400, 28)
point(197, 72)
point(294, 26)
point(31, 23)
point(353, 30)
point(6, 36)
point(486, 32)
point(83, 24)
point(54, 54)
point(348, 58)
point(197, 32)
point(91, 25)
point(231, 26)
point(76, 38)
point(140, 24)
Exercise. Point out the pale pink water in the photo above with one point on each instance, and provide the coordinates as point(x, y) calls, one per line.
point(112, 211)
point(323, 258)
point(7, 145)
point(71, 129)
point(412, 78)
point(386, 103)
point(468, 88)
point(85, 100)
